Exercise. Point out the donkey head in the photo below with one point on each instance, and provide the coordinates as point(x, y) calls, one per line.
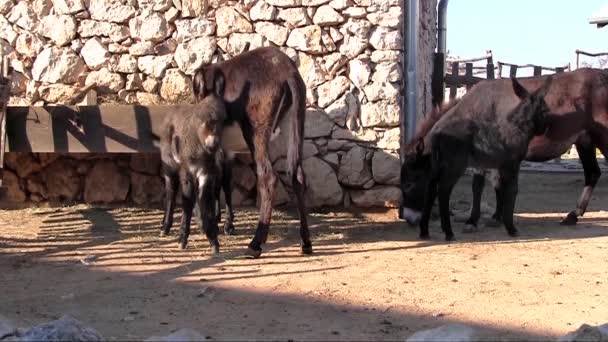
point(415, 176)
point(213, 115)
point(208, 80)
point(534, 103)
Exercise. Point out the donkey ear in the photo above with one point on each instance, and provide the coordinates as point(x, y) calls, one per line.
point(519, 90)
point(545, 87)
point(198, 83)
point(219, 83)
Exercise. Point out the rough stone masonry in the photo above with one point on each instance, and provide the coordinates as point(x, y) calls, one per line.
point(349, 53)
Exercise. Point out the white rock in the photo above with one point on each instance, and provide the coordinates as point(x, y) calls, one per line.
point(57, 65)
point(340, 4)
point(107, 82)
point(230, 21)
point(171, 15)
point(110, 10)
point(142, 48)
point(390, 18)
point(273, 32)
point(363, 135)
point(193, 53)
point(355, 12)
point(354, 169)
point(352, 46)
point(358, 27)
point(342, 108)
point(68, 6)
point(150, 85)
point(146, 99)
point(306, 39)
point(326, 16)
point(381, 113)
point(123, 63)
point(322, 184)
point(6, 31)
point(237, 42)
point(284, 3)
point(386, 168)
point(193, 28)
point(295, 17)
point(23, 16)
point(58, 93)
point(114, 48)
point(310, 70)
point(28, 45)
point(154, 65)
point(311, 3)
point(390, 140)
point(155, 5)
point(92, 28)
point(379, 56)
point(382, 38)
point(149, 25)
point(95, 53)
point(328, 42)
point(263, 11)
point(387, 72)
point(176, 87)
point(166, 47)
point(587, 332)
point(61, 29)
point(330, 91)
point(359, 72)
point(448, 333)
point(376, 91)
point(134, 82)
point(317, 124)
point(192, 8)
point(335, 34)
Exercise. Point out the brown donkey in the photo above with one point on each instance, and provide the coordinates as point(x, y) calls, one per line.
point(261, 87)
point(578, 114)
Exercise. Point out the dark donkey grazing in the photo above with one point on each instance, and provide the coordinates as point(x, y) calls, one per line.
point(578, 105)
point(260, 88)
point(192, 156)
point(471, 133)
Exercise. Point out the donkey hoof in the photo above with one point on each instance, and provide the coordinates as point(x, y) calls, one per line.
point(570, 220)
point(493, 222)
point(163, 233)
point(513, 233)
point(229, 229)
point(182, 245)
point(215, 250)
point(449, 237)
point(470, 228)
point(425, 236)
point(307, 249)
point(251, 253)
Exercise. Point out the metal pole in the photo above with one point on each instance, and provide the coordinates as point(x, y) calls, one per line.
point(408, 126)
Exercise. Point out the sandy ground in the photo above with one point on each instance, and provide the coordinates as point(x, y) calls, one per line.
point(369, 279)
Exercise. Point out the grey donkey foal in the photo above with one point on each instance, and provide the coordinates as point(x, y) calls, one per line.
point(192, 155)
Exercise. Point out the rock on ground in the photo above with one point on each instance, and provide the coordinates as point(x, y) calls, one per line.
point(446, 333)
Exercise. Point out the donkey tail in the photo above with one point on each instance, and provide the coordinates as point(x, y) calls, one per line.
point(296, 128)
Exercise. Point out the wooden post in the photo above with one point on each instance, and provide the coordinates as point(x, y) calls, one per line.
point(468, 74)
point(438, 79)
point(538, 70)
point(454, 88)
point(490, 68)
point(4, 94)
point(499, 70)
point(513, 71)
point(559, 70)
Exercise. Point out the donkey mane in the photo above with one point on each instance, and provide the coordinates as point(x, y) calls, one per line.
point(429, 120)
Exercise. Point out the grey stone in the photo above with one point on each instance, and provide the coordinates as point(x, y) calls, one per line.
point(192, 54)
point(142, 48)
point(155, 5)
point(95, 54)
point(106, 81)
point(390, 18)
point(56, 65)
point(62, 180)
point(28, 45)
point(23, 16)
point(68, 6)
point(176, 87)
point(330, 91)
point(230, 21)
point(110, 10)
point(327, 16)
point(450, 333)
point(123, 63)
point(317, 124)
point(263, 11)
point(322, 184)
point(273, 32)
point(6, 31)
point(382, 38)
point(354, 168)
point(154, 66)
point(294, 17)
point(106, 183)
point(146, 189)
point(193, 28)
point(352, 46)
point(380, 196)
point(149, 25)
point(64, 329)
point(587, 332)
point(381, 113)
point(386, 168)
point(306, 39)
point(359, 72)
point(182, 335)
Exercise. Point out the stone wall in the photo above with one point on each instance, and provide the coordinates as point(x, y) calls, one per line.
point(144, 51)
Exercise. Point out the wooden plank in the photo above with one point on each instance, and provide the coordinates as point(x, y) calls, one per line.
point(461, 80)
point(95, 129)
point(490, 68)
point(4, 96)
point(538, 70)
point(559, 70)
point(468, 74)
point(513, 71)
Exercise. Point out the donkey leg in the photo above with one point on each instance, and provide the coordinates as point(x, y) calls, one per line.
point(509, 188)
point(266, 182)
point(171, 184)
point(188, 201)
point(496, 219)
point(298, 184)
point(586, 154)
point(479, 181)
point(227, 188)
point(207, 202)
point(446, 185)
point(429, 201)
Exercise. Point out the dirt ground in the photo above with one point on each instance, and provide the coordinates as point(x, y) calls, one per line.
point(369, 279)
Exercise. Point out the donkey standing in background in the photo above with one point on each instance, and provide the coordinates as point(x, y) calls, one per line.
point(471, 133)
point(261, 87)
point(192, 156)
